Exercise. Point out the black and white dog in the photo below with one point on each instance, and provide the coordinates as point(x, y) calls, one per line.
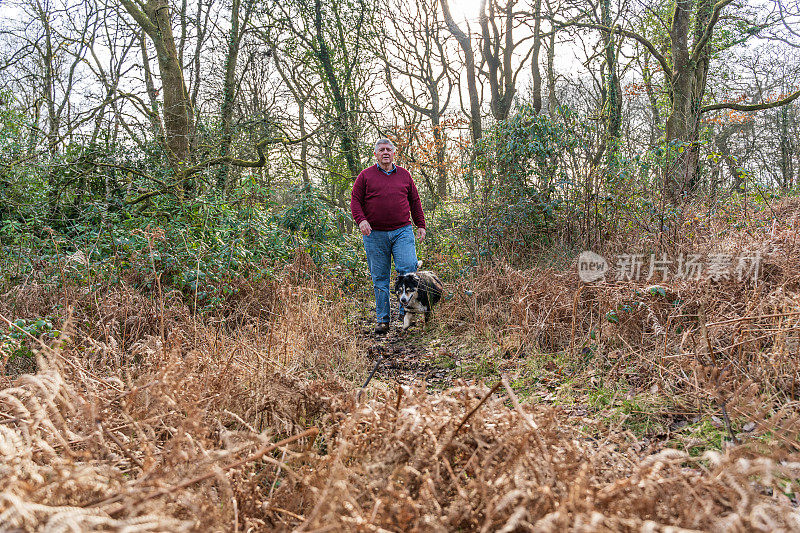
point(418, 292)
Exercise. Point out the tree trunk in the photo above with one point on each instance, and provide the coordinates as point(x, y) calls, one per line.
point(723, 147)
point(501, 75)
point(785, 140)
point(177, 108)
point(229, 93)
point(613, 102)
point(680, 85)
point(33, 135)
point(652, 97)
point(155, 21)
point(156, 125)
point(53, 119)
point(465, 43)
point(679, 126)
point(184, 25)
point(441, 167)
point(536, 72)
point(343, 121)
point(200, 29)
point(304, 142)
point(688, 85)
point(552, 101)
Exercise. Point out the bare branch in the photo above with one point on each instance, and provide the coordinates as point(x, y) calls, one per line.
point(625, 33)
point(752, 107)
point(709, 29)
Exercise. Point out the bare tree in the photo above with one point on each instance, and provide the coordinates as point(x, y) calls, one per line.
point(536, 71)
point(465, 42)
point(47, 37)
point(498, 47)
point(154, 18)
point(686, 67)
point(415, 58)
point(239, 24)
point(552, 100)
point(612, 97)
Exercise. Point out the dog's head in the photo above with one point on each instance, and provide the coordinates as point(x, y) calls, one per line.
point(406, 288)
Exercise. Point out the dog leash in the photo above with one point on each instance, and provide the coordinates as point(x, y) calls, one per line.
point(374, 369)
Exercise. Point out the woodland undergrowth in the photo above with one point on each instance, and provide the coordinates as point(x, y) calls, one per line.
point(141, 414)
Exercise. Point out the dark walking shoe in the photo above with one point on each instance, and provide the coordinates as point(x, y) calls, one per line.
point(382, 328)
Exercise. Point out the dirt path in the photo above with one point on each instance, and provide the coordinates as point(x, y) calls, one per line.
point(407, 358)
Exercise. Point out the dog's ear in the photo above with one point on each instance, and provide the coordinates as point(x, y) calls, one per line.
point(402, 279)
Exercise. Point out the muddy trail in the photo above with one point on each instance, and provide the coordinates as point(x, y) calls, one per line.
point(413, 357)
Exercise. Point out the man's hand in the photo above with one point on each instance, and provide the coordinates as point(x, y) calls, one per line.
point(365, 228)
point(421, 234)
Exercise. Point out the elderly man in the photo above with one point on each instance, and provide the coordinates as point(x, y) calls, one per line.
point(383, 202)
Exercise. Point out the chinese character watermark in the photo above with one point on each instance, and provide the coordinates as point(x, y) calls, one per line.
point(591, 267)
point(662, 267)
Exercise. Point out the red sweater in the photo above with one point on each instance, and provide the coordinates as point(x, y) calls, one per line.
point(386, 201)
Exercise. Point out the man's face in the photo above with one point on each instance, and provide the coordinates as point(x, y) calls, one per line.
point(384, 153)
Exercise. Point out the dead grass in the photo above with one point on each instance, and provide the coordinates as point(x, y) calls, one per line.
point(249, 421)
point(125, 429)
point(704, 345)
point(167, 452)
point(416, 462)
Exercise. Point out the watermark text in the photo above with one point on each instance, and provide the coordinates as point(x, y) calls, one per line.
point(663, 267)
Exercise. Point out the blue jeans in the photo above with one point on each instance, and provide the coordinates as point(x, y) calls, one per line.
point(381, 246)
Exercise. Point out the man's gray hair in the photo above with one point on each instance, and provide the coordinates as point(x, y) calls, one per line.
point(383, 141)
